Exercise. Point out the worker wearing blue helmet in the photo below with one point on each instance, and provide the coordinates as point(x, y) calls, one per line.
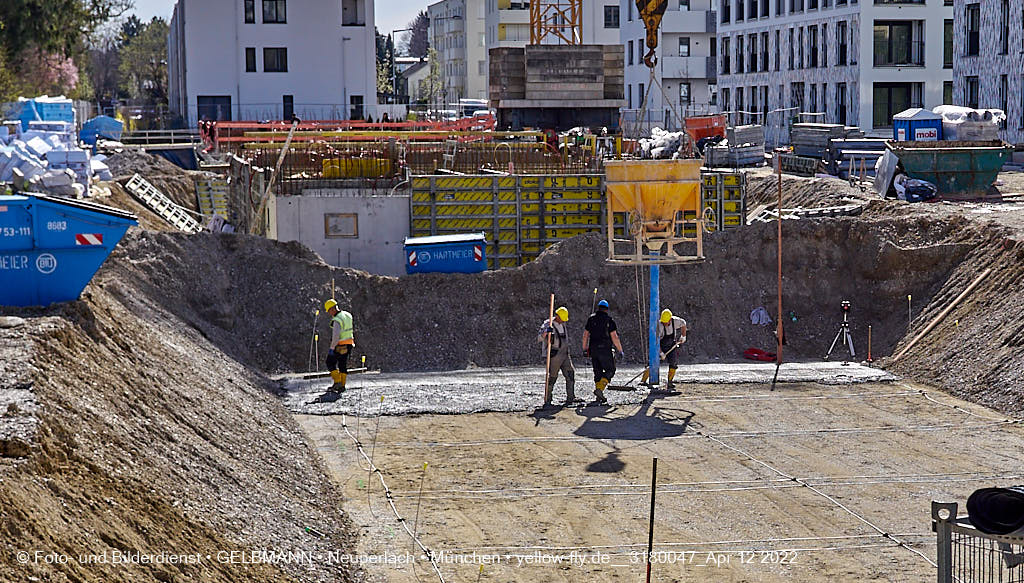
point(600, 336)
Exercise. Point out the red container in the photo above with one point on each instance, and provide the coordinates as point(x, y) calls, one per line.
point(703, 126)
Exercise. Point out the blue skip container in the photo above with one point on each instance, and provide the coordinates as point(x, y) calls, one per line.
point(446, 254)
point(51, 247)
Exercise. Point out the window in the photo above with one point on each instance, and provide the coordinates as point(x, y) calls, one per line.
point(973, 22)
point(892, 98)
point(481, 67)
point(337, 225)
point(792, 64)
point(1004, 27)
point(275, 60)
point(764, 104)
point(250, 59)
point(1004, 97)
point(726, 6)
point(356, 106)
point(752, 9)
point(813, 98)
point(213, 107)
point(800, 49)
point(714, 47)
point(841, 37)
point(841, 103)
point(812, 36)
point(611, 17)
point(739, 106)
point(629, 52)
point(250, 11)
point(739, 10)
point(629, 11)
point(752, 46)
point(639, 51)
point(684, 5)
point(778, 49)
point(274, 12)
point(947, 43)
point(764, 8)
point(779, 7)
point(684, 93)
point(629, 96)
point(640, 94)
point(947, 93)
point(796, 96)
point(725, 56)
point(764, 51)
point(739, 54)
point(812, 4)
point(712, 94)
point(725, 99)
point(353, 13)
point(684, 46)
point(287, 107)
point(895, 43)
point(824, 45)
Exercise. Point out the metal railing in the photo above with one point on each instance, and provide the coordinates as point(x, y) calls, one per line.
point(967, 555)
point(909, 54)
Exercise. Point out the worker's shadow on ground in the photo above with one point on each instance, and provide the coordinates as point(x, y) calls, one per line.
point(647, 422)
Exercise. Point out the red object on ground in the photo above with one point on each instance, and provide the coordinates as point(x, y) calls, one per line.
point(703, 126)
point(758, 354)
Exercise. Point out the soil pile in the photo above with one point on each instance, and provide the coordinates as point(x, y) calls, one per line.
point(797, 191)
point(178, 184)
point(145, 438)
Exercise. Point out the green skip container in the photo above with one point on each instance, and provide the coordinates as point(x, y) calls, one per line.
point(957, 169)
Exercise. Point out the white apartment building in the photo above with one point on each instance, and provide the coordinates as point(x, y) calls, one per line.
point(508, 23)
point(988, 65)
point(268, 59)
point(457, 34)
point(685, 68)
point(855, 62)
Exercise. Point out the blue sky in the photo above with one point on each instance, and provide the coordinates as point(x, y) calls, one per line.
point(390, 14)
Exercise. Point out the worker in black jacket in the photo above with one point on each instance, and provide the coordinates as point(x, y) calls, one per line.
point(599, 337)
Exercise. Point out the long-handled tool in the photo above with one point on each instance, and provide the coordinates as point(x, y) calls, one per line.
point(629, 384)
point(547, 367)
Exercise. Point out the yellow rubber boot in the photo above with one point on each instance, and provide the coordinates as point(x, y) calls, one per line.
point(599, 390)
point(671, 375)
point(339, 380)
point(646, 376)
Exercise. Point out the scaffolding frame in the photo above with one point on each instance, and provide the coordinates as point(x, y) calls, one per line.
point(558, 19)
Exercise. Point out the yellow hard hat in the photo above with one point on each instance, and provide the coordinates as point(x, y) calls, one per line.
point(666, 316)
point(330, 304)
point(563, 313)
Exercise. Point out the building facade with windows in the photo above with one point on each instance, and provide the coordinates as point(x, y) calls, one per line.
point(508, 23)
point(855, 62)
point(685, 74)
point(988, 65)
point(270, 59)
point(457, 35)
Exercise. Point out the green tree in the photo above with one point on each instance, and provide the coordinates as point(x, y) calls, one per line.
point(53, 26)
point(143, 65)
point(433, 80)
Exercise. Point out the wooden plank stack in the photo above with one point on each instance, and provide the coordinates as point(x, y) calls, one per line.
point(812, 139)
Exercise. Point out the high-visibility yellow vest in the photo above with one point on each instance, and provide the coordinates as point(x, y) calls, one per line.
point(341, 329)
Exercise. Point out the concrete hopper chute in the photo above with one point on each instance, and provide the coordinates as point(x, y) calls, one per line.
point(660, 201)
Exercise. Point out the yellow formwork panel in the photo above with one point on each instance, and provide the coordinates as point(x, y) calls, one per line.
point(594, 195)
point(356, 167)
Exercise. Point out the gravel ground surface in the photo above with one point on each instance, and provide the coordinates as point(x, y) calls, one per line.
point(749, 485)
point(522, 389)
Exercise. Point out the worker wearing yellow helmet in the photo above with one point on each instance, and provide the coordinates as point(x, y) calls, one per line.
point(342, 343)
point(555, 328)
point(671, 334)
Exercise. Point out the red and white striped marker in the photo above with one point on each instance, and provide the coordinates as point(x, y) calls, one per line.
point(478, 253)
point(412, 259)
point(89, 239)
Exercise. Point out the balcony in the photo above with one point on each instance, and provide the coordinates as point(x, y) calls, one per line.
point(686, 21)
point(685, 67)
point(904, 55)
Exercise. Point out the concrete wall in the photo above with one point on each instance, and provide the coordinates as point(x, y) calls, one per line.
point(328, 63)
point(383, 225)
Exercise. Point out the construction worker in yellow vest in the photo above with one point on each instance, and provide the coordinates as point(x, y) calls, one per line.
point(342, 343)
point(560, 358)
point(671, 334)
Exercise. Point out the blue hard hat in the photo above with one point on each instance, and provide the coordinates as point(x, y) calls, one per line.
point(602, 304)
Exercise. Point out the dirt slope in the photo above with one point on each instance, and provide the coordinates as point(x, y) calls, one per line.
point(149, 439)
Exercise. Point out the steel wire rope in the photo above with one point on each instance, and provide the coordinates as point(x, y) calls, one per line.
point(814, 489)
point(391, 502)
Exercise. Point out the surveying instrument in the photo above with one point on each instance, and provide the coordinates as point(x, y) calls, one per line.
point(844, 333)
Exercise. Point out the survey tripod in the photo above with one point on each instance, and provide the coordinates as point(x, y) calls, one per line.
point(844, 333)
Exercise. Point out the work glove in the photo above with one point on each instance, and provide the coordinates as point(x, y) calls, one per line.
point(546, 329)
point(661, 355)
point(622, 355)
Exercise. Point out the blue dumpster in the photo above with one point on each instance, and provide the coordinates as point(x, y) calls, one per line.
point(446, 254)
point(51, 247)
